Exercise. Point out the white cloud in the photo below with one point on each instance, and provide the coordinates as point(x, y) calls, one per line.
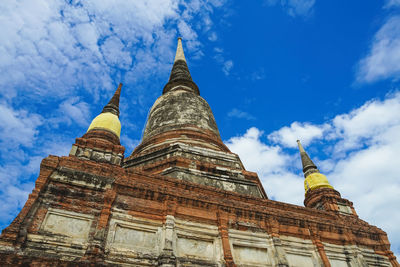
point(236, 113)
point(189, 35)
point(75, 111)
point(367, 124)
point(271, 164)
point(213, 37)
point(255, 154)
point(18, 127)
point(227, 67)
point(257, 75)
point(53, 48)
point(218, 50)
point(305, 132)
point(392, 3)
point(361, 160)
point(294, 7)
point(116, 53)
point(369, 178)
point(359, 127)
point(13, 197)
point(382, 60)
point(18, 131)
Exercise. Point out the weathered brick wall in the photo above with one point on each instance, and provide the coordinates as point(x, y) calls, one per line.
point(109, 196)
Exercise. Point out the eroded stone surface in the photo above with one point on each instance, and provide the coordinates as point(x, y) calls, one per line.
point(178, 109)
point(72, 225)
point(219, 169)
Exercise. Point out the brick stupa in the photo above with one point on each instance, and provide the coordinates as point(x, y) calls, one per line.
point(182, 198)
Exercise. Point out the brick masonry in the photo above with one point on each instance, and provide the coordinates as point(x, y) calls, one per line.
point(97, 192)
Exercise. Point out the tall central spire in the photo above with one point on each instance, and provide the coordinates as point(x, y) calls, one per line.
point(181, 139)
point(180, 75)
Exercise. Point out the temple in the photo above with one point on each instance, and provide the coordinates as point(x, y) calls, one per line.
point(182, 198)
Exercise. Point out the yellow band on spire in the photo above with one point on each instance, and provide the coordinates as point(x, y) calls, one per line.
point(316, 180)
point(107, 121)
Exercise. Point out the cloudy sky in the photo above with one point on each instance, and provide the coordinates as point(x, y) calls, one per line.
point(273, 71)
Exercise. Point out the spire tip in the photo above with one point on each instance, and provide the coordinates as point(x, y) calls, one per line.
point(113, 105)
point(179, 51)
point(300, 146)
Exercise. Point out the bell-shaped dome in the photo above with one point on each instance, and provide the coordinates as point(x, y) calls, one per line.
point(316, 180)
point(177, 110)
point(106, 121)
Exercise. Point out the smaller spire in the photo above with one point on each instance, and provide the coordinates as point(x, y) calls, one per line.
point(108, 119)
point(308, 165)
point(113, 105)
point(313, 178)
point(102, 136)
point(179, 51)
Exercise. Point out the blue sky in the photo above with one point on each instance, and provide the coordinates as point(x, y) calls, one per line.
point(273, 71)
